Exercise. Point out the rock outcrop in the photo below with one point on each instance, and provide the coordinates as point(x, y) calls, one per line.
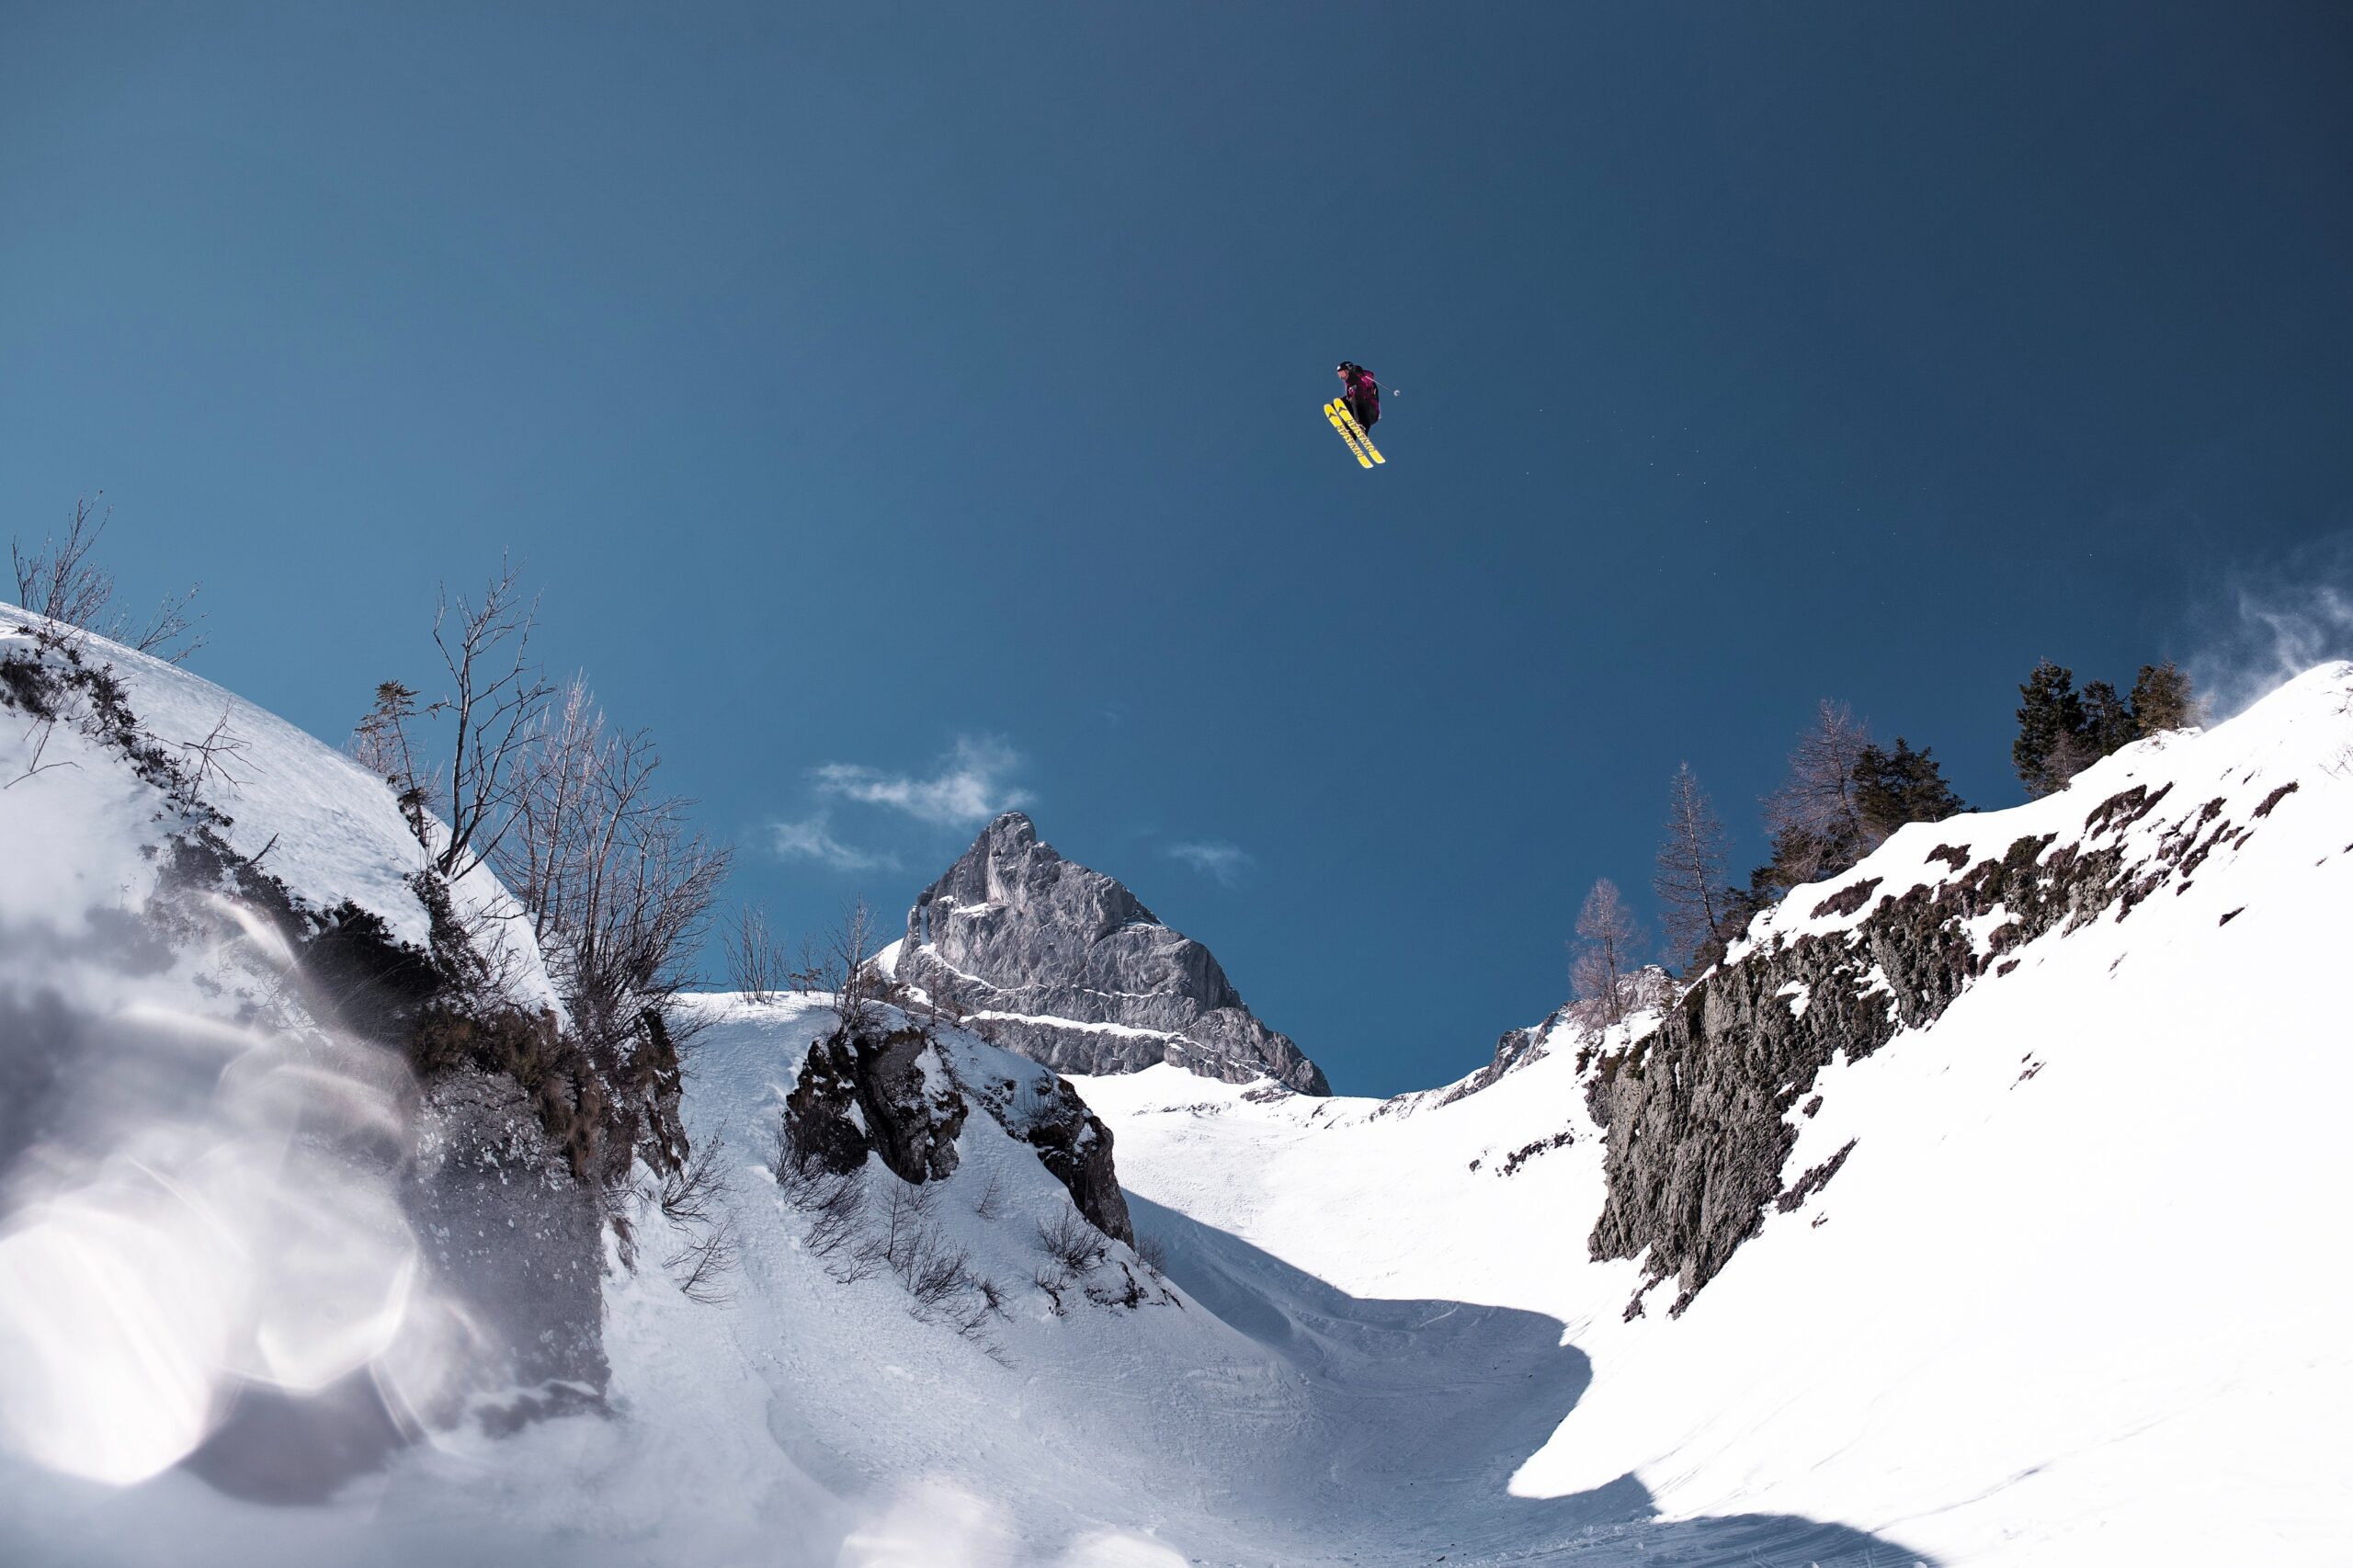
point(1699, 1112)
point(1067, 967)
point(901, 1092)
point(879, 1090)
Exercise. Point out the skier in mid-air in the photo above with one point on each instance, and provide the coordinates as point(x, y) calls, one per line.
point(1361, 393)
point(1353, 413)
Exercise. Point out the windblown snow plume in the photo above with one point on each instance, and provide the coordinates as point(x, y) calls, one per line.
point(2279, 624)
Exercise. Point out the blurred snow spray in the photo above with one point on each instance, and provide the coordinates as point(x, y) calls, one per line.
point(192, 1207)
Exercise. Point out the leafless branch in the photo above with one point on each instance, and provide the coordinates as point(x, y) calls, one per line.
point(700, 1268)
point(1690, 880)
point(62, 582)
point(39, 735)
point(756, 964)
point(1603, 969)
point(208, 758)
point(1073, 1244)
point(989, 1205)
point(616, 884)
point(1813, 816)
point(497, 697)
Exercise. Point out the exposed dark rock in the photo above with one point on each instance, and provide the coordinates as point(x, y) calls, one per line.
point(509, 1229)
point(1695, 1113)
point(1070, 970)
point(898, 1092)
point(1813, 1181)
point(869, 1089)
point(1075, 1146)
point(1847, 900)
point(2274, 798)
point(1527, 1152)
point(1515, 1050)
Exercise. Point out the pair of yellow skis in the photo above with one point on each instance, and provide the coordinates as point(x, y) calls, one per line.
point(1353, 433)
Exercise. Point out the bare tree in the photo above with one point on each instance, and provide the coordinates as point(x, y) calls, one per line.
point(1690, 880)
point(497, 696)
point(834, 1203)
point(2069, 755)
point(1074, 1245)
point(1603, 969)
point(844, 966)
point(63, 584)
point(616, 884)
point(989, 1204)
point(1813, 816)
point(756, 964)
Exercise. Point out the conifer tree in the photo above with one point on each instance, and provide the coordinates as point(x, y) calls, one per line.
point(2163, 700)
point(2110, 724)
point(2050, 747)
point(1893, 787)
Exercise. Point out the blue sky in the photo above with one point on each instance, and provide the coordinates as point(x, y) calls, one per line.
point(911, 410)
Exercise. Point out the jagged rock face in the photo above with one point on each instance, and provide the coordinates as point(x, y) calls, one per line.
point(1697, 1112)
point(1067, 967)
point(1073, 1143)
point(1514, 1049)
point(864, 1090)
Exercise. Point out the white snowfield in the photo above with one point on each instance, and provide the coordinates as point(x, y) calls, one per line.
point(2079, 1294)
point(2075, 1296)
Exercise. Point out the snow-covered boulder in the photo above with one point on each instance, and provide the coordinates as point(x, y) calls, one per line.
point(885, 1085)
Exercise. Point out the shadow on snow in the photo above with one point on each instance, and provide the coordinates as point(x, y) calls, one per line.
point(1427, 1408)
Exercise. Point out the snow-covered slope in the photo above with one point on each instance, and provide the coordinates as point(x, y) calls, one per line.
point(313, 819)
point(234, 1224)
point(812, 1412)
point(2070, 1296)
point(2075, 1293)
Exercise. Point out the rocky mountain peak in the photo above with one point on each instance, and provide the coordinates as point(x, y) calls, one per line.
point(1066, 966)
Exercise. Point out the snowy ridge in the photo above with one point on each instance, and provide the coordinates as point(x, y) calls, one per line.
point(313, 819)
point(2032, 1307)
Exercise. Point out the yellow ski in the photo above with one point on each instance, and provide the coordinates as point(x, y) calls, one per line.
point(1337, 412)
point(1340, 412)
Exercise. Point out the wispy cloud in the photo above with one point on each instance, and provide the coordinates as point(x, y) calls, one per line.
point(2283, 621)
point(971, 784)
point(1229, 863)
point(813, 839)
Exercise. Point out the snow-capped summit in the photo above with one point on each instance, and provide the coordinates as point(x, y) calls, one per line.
point(1066, 966)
